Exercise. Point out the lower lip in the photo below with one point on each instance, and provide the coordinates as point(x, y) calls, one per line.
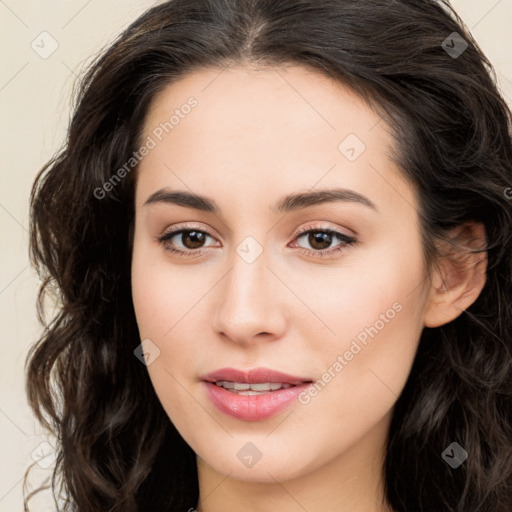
point(253, 407)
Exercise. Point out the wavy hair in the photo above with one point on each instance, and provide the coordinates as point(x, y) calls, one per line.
point(117, 450)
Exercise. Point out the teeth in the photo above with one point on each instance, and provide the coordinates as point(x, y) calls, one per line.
point(243, 388)
point(265, 386)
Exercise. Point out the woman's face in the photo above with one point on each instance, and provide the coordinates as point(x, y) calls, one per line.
point(251, 291)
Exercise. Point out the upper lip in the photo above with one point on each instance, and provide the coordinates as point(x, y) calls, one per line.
point(253, 376)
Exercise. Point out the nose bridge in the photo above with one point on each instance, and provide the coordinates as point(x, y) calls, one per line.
point(249, 302)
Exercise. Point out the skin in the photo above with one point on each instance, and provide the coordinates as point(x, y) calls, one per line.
point(255, 136)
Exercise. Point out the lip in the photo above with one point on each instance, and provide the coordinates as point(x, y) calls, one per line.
point(254, 376)
point(253, 407)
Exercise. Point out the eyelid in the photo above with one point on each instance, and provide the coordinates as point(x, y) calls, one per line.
point(319, 226)
point(182, 227)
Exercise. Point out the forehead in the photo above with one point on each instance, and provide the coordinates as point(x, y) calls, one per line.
point(284, 127)
point(279, 96)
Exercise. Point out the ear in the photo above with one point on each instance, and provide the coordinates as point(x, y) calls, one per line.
point(459, 276)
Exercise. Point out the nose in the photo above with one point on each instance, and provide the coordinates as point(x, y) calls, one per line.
point(250, 302)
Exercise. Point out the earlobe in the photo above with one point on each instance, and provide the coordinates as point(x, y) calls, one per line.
point(459, 276)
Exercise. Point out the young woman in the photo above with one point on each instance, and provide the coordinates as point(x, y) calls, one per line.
point(280, 235)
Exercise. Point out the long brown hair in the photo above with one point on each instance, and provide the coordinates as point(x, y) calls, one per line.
point(117, 449)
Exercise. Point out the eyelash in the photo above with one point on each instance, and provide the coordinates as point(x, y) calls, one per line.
point(327, 253)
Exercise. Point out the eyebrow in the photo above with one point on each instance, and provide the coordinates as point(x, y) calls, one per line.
point(286, 204)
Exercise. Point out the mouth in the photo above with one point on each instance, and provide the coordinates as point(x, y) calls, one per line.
point(253, 395)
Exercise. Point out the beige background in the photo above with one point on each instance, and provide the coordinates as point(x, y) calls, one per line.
point(34, 103)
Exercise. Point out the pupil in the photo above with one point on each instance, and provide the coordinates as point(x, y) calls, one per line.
point(324, 239)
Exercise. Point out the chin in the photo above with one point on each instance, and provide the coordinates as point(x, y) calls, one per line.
point(267, 466)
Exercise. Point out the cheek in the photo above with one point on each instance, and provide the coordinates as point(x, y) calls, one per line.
point(376, 314)
point(165, 298)
point(365, 285)
point(159, 303)
point(160, 296)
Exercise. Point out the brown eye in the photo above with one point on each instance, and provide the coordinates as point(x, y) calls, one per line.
point(193, 239)
point(183, 241)
point(319, 240)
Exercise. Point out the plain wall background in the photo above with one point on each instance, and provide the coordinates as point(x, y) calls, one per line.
point(35, 99)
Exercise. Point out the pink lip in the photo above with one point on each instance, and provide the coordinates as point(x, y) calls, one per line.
point(253, 407)
point(254, 376)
